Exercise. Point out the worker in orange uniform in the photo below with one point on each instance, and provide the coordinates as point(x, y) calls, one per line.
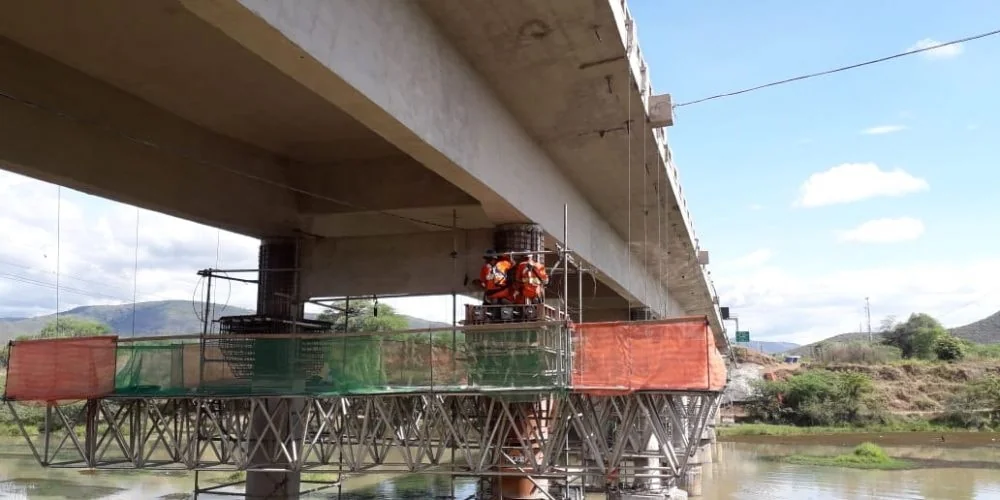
point(531, 279)
point(493, 279)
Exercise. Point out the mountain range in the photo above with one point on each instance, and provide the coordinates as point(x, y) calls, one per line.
point(151, 318)
point(766, 347)
point(182, 317)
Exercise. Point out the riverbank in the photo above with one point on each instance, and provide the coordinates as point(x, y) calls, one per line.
point(914, 433)
point(757, 429)
point(870, 456)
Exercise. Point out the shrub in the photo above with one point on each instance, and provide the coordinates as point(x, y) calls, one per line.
point(948, 348)
point(871, 451)
point(966, 408)
point(816, 397)
point(857, 352)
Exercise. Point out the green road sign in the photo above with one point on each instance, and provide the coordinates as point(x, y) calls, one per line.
point(743, 336)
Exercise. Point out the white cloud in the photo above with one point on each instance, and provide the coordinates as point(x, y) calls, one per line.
point(946, 52)
point(97, 254)
point(885, 231)
point(850, 182)
point(756, 206)
point(803, 307)
point(883, 129)
point(96, 251)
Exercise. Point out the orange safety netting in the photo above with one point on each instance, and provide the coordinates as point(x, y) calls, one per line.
point(61, 369)
point(622, 357)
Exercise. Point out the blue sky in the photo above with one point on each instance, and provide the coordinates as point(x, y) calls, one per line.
point(757, 149)
point(906, 216)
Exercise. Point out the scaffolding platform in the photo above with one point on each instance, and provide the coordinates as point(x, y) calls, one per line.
point(540, 400)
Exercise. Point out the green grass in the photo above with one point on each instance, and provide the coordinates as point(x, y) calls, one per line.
point(792, 430)
point(864, 456)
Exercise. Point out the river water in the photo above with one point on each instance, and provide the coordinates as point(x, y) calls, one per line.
point(740, 473)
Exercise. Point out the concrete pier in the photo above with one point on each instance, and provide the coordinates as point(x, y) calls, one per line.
point(276, 297)
point(691, 481)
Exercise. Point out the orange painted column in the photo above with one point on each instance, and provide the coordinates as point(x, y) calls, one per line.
point(531, 421)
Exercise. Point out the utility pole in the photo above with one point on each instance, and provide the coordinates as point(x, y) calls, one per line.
point(868, 313)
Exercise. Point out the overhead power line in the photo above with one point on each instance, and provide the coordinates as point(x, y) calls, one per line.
point(842, 68)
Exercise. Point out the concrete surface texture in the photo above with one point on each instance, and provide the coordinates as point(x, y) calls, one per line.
point(366, 127)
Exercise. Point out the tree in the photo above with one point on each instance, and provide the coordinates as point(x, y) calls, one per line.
point(73, 327)
point(949, 348)
point(887, 324)
point(364, 316)
point(916, 337)
point(359, 361)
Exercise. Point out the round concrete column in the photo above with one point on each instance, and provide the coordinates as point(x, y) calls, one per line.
point(710, 440)
point(522, 238)
point(704, 454)
point(691, 481)
point(273, 290)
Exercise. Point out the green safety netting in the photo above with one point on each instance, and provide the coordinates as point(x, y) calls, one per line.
point(508, 359)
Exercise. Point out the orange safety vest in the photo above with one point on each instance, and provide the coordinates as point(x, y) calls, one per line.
point(531, 278)
point(494, 277)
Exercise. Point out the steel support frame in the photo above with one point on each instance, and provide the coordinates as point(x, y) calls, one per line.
point(383, 434)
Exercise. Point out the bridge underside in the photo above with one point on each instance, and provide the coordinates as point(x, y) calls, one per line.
point(232, 114)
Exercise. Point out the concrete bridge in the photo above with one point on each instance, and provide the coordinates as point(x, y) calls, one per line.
point(386, 138)
point(364, 126)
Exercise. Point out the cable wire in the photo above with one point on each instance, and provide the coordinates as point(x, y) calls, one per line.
point(135, 271)
point(58, 247)
point(75, 291)
point(628, 132)
point(218, 250)
point(842, 68)
point(645, 206)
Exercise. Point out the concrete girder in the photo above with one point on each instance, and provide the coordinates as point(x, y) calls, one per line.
point(62, 126)
point(387, 183)
point(388, 222)
point(161, 53)
point(112, 144)
point(418, 264)
point(446, 117)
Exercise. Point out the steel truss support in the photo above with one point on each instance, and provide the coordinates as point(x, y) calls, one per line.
point(606, 434)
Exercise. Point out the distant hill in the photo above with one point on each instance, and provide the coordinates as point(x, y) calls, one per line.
point(984, 331)
point(151, 318)
point(766, 347)
point(807, 349)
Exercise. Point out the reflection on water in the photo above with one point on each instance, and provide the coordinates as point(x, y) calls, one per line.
point(415, 487)
point(739, 474)
point(30, 487)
